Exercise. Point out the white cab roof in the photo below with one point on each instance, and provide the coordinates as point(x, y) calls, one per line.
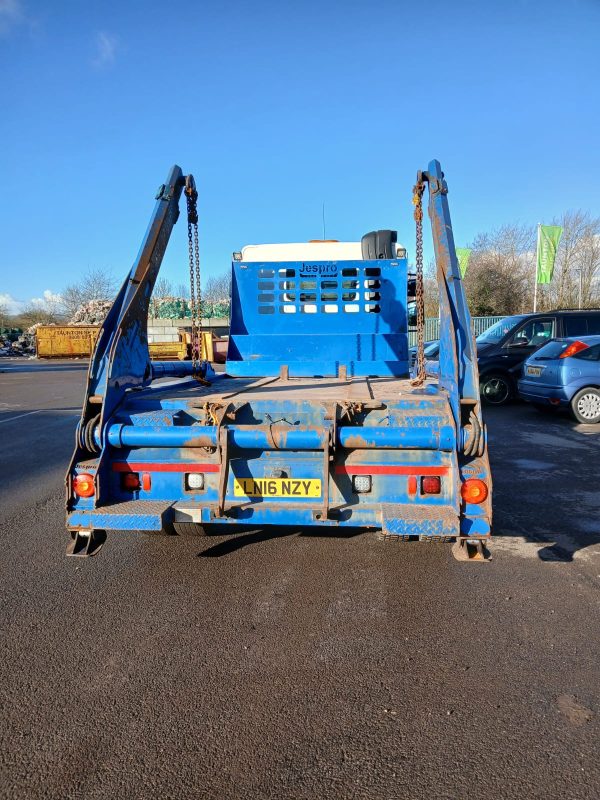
point(306, 251)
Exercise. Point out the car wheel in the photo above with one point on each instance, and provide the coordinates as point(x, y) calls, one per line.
point(496, 389)
point(586, 405)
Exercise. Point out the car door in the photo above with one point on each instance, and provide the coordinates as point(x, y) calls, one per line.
point(528, 337)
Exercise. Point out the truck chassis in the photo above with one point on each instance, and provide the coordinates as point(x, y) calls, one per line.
point(316, 421)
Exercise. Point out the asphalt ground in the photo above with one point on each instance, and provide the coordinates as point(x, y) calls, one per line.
point(290, 665)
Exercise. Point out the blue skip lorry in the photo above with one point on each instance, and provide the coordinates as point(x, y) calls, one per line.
point(316, 422)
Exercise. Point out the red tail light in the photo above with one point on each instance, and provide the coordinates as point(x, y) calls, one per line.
point(130, 481)
point(474, 491)
point(431, 485)
point(573, 348)
point(83, 485)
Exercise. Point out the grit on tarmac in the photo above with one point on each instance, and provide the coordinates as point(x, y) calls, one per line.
point(298, 665)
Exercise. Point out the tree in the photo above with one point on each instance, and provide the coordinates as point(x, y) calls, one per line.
point(182, 291)
point(499, 280)
point(577, 263)
point(589, 270)
point(33, 314)
point(163, 289)
point(218, 288)
point(96, 284)
point(431, 291)
point(216, 296)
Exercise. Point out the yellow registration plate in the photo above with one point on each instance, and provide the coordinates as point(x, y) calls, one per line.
point(277, 487)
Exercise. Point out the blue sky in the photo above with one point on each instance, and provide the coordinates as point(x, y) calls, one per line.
point(276, 108)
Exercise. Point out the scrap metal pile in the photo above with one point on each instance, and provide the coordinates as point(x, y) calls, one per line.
point(24, 345)
point(180, 308)
point(91, 313)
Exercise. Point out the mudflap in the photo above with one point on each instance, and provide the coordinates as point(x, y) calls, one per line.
point(85, 543)
point(474, 550)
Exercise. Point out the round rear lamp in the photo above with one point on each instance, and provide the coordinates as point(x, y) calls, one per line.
point(83, 485)
point(474, 491)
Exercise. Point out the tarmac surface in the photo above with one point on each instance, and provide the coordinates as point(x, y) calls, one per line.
point(298, 666)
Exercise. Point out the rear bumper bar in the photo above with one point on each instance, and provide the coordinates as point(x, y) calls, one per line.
point(283, 437)
point(539, 393)
point(394, 519)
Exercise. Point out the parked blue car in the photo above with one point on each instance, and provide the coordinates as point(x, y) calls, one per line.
point(565, 373)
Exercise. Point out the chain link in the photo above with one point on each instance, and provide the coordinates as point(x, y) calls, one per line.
point(192, 294)
point(194, 264)
point(420, 375)
point(198, 302)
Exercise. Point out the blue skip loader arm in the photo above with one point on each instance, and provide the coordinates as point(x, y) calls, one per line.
point(458, 372)
point(121, 359)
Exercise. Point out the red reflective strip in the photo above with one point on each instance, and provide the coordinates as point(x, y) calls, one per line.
point(371, 469)
point(143, 466)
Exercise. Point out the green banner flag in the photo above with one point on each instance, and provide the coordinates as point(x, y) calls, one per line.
point(463, 254)
point(548, 239)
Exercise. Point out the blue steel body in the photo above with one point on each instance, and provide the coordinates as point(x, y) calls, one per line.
point(560, 378)
point(317, 317)
point(327, 322)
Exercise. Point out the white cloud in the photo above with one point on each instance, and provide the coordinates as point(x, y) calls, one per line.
point(11, 305)
point(11, 15)
point(48, 299)
point(105, 49)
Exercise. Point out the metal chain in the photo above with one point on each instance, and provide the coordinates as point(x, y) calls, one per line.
point(192, 296)
point(420, 376)
point(194, 264)
point(198, 301)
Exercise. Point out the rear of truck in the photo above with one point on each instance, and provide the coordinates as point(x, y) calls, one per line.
point(315, 422)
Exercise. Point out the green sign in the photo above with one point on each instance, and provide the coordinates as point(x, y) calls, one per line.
point(463, 254)
point(548, 239)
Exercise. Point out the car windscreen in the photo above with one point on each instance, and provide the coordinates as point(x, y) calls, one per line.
point(499, 329)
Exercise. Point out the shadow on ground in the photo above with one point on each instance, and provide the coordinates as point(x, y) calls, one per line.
point(239, 538)
point(545, 468)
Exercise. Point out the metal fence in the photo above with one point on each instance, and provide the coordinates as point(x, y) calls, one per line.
point(432, 328)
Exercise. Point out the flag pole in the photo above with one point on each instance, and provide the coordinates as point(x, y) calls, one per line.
point(537, 255)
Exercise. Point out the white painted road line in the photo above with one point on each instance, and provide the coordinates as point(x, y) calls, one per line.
point(28, 413)
point(41, 411)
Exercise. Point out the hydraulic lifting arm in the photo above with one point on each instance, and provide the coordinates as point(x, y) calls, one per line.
point(458, 354)
point(121, 359)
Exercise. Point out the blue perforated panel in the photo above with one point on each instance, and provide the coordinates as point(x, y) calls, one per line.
point(316, 317)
